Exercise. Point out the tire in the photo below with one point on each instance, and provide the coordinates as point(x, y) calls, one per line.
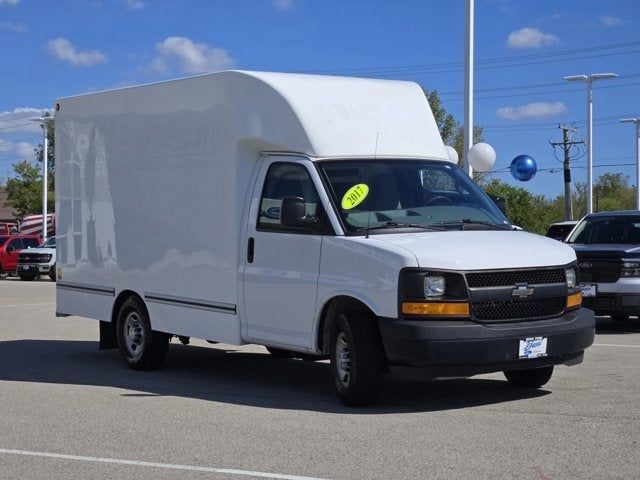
point(52, 273)
point(357, 358)
point(27, 277)
point(279, 352)
point(619, 317)
point(140, 347)
point(3, 274)
point(531, 378)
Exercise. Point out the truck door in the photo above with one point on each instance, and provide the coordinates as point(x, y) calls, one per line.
point(281, 264)
point(13, 247)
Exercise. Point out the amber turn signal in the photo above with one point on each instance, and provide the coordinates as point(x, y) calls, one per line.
point(437, 309)
point(575, 300)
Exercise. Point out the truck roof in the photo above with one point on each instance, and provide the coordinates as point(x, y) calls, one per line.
point(324, 116)
point(616, 213)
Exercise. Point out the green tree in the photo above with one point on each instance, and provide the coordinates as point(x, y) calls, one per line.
point(533, 213)
point(24, 190)
point(451, 130)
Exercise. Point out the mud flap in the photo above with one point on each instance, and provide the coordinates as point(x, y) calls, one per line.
point(108, 337)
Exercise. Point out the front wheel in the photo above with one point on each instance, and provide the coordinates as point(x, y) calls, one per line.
point(531, 378)
point(27, 277)
point(140, 347)
point(52, 273)
point(357, 358)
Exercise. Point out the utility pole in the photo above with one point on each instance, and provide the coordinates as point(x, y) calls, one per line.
point(566, 147)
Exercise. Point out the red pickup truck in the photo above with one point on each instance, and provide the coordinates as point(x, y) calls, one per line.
point(10, 245)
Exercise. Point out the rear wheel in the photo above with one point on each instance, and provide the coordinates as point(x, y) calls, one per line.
point(357, 358)
point(531, 378)
point(140, 347)
point(27, 276)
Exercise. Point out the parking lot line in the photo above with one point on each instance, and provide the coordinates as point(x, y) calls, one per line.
point(28, 305)
point(137, 463)
point(614, 345)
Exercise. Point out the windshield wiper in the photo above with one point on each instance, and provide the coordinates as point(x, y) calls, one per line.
point(468, 221)
point(430, 228)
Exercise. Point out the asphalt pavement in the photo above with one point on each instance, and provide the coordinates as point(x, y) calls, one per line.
point(70, 411)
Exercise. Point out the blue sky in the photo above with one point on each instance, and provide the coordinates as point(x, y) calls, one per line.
point(522, 50)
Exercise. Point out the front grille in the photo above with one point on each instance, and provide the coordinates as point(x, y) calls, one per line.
point(513, 277)
point(34, 257)
point(605, 271)
point(518, 309)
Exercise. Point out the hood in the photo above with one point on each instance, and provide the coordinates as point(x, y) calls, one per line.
point(482, 250)
point(37, 250)
point(606, 250)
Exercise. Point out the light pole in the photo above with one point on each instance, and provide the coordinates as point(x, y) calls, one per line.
point(45, 157)
point(637, 122)
point(468, 90)
point(589, 79)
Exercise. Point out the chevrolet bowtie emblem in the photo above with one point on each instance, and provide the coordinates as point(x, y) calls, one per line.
point(522, 291)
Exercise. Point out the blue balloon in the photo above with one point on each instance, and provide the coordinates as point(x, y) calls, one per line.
point(523, 168)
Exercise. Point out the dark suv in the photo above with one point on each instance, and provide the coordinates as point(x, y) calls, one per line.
point(607, 245)
point(10, 245)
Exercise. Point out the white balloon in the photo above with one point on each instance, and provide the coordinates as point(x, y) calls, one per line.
point(482, 156)
point(452, 154)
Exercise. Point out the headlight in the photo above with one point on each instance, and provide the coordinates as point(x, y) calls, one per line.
point(434, 286)
point(570, 275)
point(630, 268)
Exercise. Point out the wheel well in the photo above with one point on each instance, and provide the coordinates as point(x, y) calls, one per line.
point(329, 312)
point(122, 297)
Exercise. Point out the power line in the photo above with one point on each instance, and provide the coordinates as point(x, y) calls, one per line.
point(482, 63)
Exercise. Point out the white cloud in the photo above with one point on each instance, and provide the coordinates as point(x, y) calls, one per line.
point(185, 56)
point(19, 150)
point(9, 3)
point(532, 110)
point(134, 5)
point(283, 5)
point(63, 49)
point(12, 27)
point(610, 21)
point(17, 120)
point(528, 37)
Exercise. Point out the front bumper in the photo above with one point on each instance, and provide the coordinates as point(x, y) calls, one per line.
point(443, 348)
point(33, 268)
point(613, 303)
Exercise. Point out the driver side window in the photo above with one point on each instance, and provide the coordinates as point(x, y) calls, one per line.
point(285, 180)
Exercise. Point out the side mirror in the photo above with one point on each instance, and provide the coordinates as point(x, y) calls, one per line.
point(293, 214)
point(501, 203)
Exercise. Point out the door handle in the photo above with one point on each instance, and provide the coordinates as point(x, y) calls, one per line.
point(250, 250)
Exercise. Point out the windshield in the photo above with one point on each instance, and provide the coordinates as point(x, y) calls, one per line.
point(373, 194)
point(608, 230)
point(48, 243)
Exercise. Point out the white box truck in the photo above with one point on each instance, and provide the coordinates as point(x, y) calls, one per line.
point(310, 214)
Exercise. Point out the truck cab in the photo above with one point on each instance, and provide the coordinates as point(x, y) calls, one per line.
point(10, 246)
point(607, 245)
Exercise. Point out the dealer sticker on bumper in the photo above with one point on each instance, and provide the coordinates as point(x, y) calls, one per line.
point(533, 347)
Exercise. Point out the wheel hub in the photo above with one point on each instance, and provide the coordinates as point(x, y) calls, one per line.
point(134, 335)
point(342, 360)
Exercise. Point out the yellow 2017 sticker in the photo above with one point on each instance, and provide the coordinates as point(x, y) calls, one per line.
point(354, 196)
